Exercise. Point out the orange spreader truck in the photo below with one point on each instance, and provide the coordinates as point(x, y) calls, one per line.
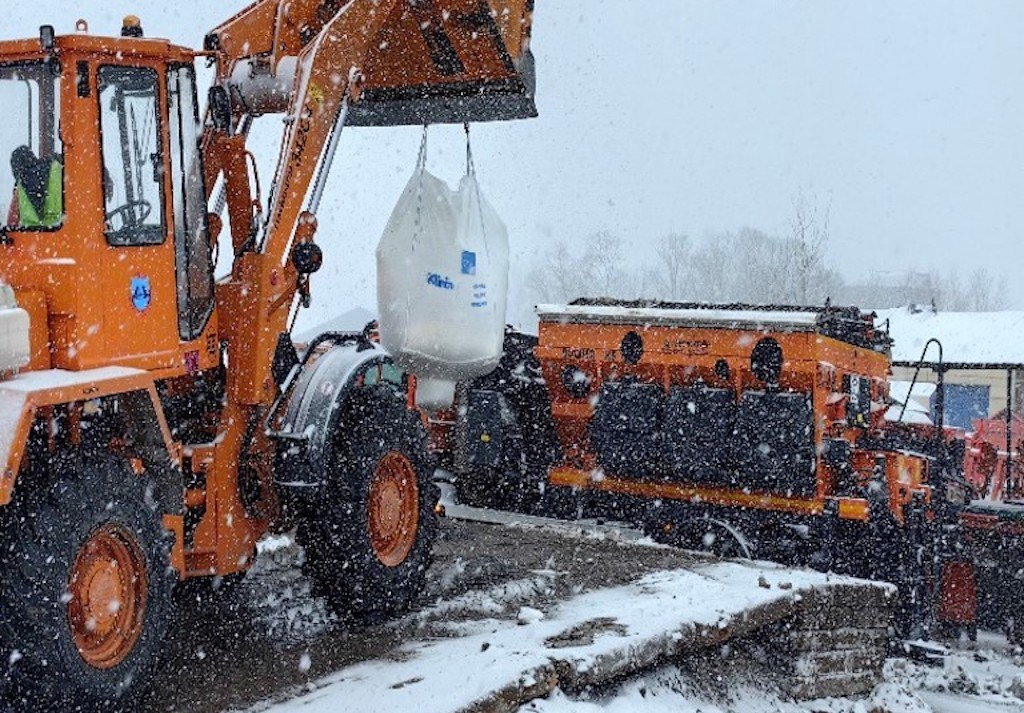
point(746, 430)
point(156, 421)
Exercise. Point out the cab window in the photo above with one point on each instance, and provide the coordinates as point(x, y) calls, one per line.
point(132, 159)
point(192, 251)
point(32, 182)
point(392, 375)
point(385, 373)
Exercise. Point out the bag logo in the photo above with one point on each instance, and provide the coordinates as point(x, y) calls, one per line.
point(435, 280)
point(142, 295)
point(468, 262)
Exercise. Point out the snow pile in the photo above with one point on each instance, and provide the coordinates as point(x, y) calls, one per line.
point(278, 596)
point(987, 680)
point(989, 677)
point(723, 686)
point(588, 631)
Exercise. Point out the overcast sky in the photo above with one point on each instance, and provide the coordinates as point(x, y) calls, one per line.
point(676, 115)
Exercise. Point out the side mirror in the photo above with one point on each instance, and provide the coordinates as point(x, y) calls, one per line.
point(220, 109)
point(307, 258)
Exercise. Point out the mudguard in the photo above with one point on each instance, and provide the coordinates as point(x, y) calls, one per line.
point(22, 396)
point(314, 408)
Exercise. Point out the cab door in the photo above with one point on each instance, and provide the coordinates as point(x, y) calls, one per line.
point(140, 316)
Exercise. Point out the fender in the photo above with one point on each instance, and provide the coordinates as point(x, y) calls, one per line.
point(22, 397)
point(315, 407)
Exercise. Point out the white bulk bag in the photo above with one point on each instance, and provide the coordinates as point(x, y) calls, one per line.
point(442, 280)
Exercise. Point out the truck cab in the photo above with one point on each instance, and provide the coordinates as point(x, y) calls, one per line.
point(104, 236)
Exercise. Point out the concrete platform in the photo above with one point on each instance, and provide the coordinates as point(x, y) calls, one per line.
point(559, 628)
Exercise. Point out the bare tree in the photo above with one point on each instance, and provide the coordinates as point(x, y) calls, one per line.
point(672, 275)
point(808, 242)
point(748, 265)
point(752, 266)
point(559, 274)
point(555, 276)
point(981, 291)
point(602, 262)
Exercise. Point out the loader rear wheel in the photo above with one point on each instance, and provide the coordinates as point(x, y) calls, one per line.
point(368, 539)
point(85, 592)
point(393, 509)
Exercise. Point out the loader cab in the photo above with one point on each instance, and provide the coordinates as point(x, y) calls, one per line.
point(105, 236)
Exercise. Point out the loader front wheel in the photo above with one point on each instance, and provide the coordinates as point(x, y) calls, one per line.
point(368, 538)
point(86, 587)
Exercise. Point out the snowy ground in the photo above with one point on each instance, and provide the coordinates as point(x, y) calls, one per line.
point(499, 602)
point(271, 636)
point(591, 633)
point(985, 679)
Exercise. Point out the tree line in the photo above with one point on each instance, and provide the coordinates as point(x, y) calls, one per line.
point(749, 266)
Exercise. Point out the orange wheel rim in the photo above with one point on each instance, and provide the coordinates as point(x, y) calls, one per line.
point(393, 509)
point(108, 596)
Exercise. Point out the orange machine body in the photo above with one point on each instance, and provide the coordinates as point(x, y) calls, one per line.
point(830, 387)
point(125, 278)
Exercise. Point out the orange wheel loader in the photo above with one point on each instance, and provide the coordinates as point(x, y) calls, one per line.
point(156, 421)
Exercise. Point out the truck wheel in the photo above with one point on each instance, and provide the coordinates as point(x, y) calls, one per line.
point(368, 540)
point(905, 567)
point(512, 486)
point(561, 503)
point(86, 586)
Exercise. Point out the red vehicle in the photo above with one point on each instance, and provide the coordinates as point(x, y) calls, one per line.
point(993, 461)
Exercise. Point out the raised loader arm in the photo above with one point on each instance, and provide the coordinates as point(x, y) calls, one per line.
point(326, 65)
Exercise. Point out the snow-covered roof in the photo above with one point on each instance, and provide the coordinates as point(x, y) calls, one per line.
point(619, 314)
point(966, 337)
point(918, 401)
point(900, 390)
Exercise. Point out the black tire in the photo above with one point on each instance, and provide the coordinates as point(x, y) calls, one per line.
point(219, 591)
point(512, 486)
point(42, 537)
point(335, 531)
point(562, 503)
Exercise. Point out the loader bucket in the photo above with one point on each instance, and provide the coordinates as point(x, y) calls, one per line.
point(448, 61)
